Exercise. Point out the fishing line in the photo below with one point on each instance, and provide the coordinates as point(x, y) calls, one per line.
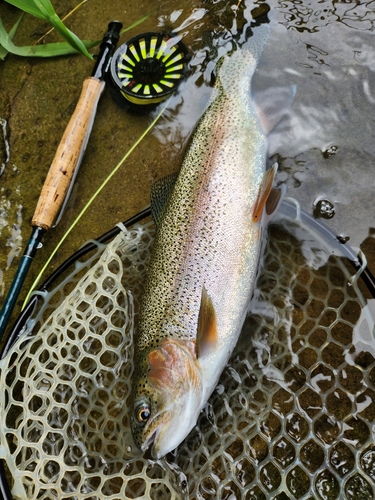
point(287, 208)
point(100, 188)
point(64, 167)
point(144, 71)
point(37, 295)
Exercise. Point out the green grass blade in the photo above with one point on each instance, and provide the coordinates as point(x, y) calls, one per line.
point(12, 32)
point(137, 22)
point(44, 9)
point(127, 154)
point(47, 50)
point(68, 35)
point(27, 6)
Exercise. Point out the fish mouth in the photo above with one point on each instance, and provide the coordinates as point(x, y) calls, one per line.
point(154, 428)
point(150, 441)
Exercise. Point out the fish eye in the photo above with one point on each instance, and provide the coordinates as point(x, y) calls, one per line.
point(143, 413)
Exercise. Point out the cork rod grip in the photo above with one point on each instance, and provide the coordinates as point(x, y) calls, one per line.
point(68, 155)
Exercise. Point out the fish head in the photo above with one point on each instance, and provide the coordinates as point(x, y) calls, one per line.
point(166, 397)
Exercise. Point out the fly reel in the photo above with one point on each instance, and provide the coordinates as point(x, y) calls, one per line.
point(148, 68)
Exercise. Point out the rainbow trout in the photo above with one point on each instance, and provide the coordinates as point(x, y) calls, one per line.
point(204, 261)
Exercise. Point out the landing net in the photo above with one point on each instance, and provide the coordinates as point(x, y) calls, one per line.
point(291, 418)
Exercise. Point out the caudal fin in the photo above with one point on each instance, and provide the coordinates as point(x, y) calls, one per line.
point(235, 70)
point(255, 44)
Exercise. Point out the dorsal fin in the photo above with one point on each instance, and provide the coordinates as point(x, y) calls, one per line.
point(160, 193)
point(264, 192)
point(207, 326)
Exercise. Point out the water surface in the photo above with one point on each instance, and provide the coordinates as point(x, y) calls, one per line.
point(324, 148)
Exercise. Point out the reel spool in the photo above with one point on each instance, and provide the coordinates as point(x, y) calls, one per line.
point(148, 68)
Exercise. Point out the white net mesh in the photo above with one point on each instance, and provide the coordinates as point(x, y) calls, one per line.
point(292, 416)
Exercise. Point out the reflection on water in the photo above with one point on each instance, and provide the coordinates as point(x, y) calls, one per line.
point(14, 240)
point(313, 16)
point(4, 146)
point(292, 415)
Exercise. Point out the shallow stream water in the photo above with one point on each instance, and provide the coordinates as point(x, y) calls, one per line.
point(324, 147)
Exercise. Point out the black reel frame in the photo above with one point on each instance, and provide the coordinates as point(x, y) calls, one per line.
point(147, 69)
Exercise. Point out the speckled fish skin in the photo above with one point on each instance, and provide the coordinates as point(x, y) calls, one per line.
point(206, 238)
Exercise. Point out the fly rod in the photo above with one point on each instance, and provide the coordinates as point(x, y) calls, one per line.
point(64, 167)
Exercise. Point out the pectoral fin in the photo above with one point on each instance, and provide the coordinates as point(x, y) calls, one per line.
point(207, 326)
point(265, 192)
point(274, 201)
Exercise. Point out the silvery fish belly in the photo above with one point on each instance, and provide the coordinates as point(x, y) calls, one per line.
point(204, 261)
